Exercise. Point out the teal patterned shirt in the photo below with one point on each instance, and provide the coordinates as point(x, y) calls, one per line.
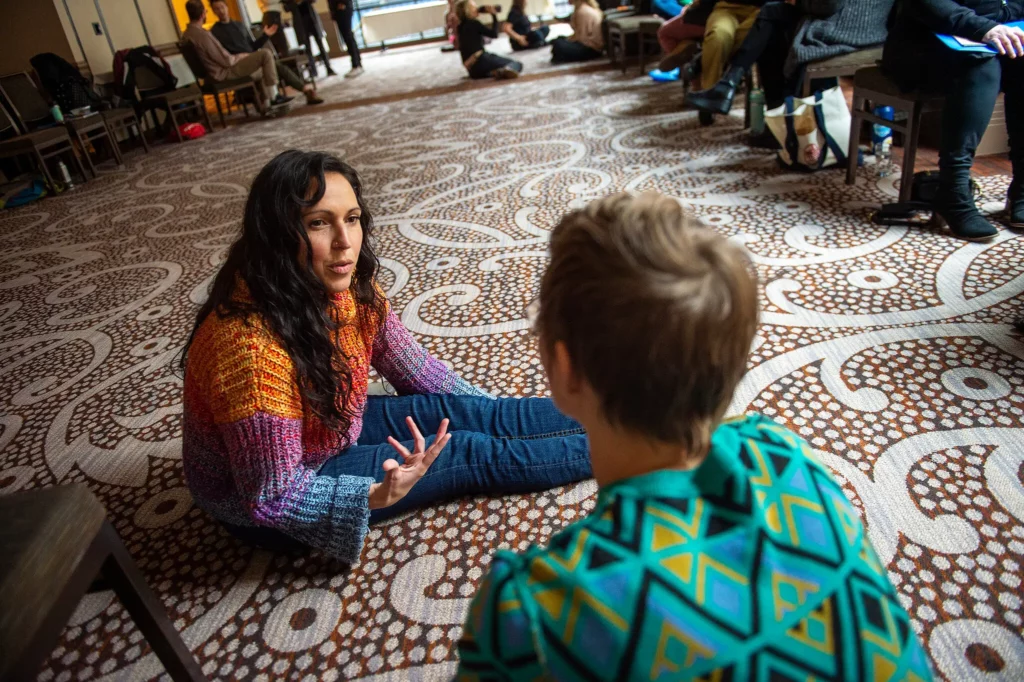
point(753, 566)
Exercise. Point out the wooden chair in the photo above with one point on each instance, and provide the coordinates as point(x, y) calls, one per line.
point(843, 65)
point(647, 36)
point(55, 542)
point(124, 119)
point(154, 95)
point(32, 112)
point(619, 31)
point(40, 145)
point(872, 88)
point(237, 88)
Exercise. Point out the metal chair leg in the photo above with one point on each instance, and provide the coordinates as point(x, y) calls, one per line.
point(855, 125)
point(220, 112)
point(910, 150)
point(42, 166)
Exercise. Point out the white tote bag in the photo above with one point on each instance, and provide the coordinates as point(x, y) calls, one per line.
point(814, 131)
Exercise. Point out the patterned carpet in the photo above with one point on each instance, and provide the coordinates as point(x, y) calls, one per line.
point(890, 350)
point(424, 68)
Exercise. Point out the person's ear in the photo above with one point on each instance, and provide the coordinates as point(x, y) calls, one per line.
point(569, 378)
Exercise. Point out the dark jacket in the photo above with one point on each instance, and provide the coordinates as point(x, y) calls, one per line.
point(305, 20)
point(472, 33)
point(235, 37)
point(912, 50)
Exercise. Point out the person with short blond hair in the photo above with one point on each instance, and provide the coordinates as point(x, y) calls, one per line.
point(718, 549)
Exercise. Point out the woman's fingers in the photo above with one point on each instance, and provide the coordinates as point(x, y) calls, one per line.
point(442, 429)
point(417, 437)
point(399, 448)
point(435, 450)
point(1017, 39)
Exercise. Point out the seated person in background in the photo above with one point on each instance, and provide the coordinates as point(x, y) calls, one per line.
point(717, 550)
point(587, 39)
point(679, 35)
point(479, 62)
point(236, 39)
point(222, 65)
point(788, 35)
point(725, 29)
point(916, 60)
point(521, 33)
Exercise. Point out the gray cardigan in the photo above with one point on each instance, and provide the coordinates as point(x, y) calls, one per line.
point(835, 27)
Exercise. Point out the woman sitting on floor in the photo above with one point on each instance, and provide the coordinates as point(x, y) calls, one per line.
point(586, 41)
point(521, 33)
point(282, 445)
point(471, 33)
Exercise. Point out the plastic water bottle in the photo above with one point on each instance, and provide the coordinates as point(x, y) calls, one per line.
point(57, 114)
point(757, 111)
point(65, 175)
point(881, 139)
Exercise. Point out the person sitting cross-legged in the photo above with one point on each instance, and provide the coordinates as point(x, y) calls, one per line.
point(471, 32)
point(222, 65)
point(236, 39)
point(587, 39)
point(521, 33)
point(717, 549)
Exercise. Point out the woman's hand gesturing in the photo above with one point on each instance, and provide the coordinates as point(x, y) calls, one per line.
point(400, 478)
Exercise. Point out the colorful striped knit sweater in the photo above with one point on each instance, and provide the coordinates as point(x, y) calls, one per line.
point(251, 452)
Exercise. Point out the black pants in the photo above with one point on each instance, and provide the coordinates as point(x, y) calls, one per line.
point(971, 88)
point(486, 64)
point(564, 50)
point(971, 84)
point(313, 34)
point(534, 39)
point(343, 18)
point(767, 45)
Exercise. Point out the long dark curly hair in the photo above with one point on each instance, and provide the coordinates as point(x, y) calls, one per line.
point(285, 292)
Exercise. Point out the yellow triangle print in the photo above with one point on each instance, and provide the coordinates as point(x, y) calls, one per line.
point(663, 538)
point(680, 565)
point(552, 601)
point(884, 668)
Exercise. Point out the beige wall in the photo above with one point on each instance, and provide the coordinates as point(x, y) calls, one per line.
point(159, 21)
point(29, 28)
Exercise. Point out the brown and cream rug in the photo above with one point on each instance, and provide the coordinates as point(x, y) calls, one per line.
point(890, 350)
point(419, 69)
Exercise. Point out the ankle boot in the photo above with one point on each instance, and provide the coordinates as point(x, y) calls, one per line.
point(718, 98)
point(955, 207)
point(1015, 202)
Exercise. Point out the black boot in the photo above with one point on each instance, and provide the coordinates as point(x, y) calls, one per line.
point(718, 98)
point(1015, 202)
point(955, 207)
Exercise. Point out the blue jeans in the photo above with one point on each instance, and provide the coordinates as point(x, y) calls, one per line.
point(508, 445)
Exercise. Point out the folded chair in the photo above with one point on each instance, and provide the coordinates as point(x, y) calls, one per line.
point(31, 112)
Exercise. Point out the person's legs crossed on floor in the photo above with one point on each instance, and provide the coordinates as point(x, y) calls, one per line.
point(509, 445)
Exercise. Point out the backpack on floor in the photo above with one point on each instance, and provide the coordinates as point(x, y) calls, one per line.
point(814, 131)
